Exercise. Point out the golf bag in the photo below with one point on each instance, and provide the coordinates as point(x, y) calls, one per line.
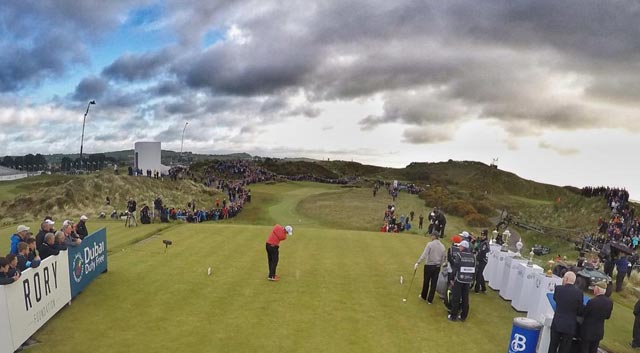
point(443, 284)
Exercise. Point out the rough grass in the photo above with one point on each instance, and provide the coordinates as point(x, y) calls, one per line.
point(62, 196)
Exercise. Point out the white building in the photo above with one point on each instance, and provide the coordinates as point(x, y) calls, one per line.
point(146, 156)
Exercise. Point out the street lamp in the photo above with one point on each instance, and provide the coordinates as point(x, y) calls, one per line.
point(182, 142)
point(83, 121)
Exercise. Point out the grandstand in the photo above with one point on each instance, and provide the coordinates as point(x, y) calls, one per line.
point(11, 174)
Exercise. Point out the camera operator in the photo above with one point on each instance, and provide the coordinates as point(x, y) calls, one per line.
point(131, 212)
point(481, 261)
point(157, 207)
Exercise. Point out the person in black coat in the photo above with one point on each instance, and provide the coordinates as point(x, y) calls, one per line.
point(48, 246)
point(81, 227)
point(636, 326)
point(568, 306)
point(598, 309)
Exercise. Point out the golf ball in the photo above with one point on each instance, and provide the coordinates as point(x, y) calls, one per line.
point(404, 300)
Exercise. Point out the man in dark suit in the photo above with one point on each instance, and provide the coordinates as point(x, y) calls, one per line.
point(568, 306)
point(598, 309)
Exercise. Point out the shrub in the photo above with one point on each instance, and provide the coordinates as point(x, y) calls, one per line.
point(477, 220)
point(483, 208)
point(459, 208)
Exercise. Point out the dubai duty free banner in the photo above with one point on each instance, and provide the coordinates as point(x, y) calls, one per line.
point(87, 261)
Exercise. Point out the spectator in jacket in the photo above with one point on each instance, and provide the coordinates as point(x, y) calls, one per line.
point(81, 227)
point(568, 306)
point(33, 254)
point(23, 258)
point(481, 262)
point(4, 269)
point(45, 227)
point(434, 256)
point(13, 265)
point(48, 246)
point(70, 237)
point(21, 235)
point(622, 265)
point(597, 310)
point(635, 343)
point(278, 234)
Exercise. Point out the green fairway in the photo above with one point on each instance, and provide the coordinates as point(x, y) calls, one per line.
point(340, 292)
point(340, 289)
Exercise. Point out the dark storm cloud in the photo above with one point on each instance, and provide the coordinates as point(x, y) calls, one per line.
point(44, 38)
point(90, 88)
point(527, 66)
point(49, 56)
point(132, 67)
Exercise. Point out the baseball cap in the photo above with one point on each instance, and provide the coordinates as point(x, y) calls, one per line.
point(456, 239)
point(66, 222)
point(465, 234)
point(464, 244)
point(49, 221)
point(289, 230)
point(83, 218)
point(22, 228)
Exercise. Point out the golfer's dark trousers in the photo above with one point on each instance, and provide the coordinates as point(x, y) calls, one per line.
point(272, 256)
point(480, 285)
point(460, 300)
point(430, 282)
point(560, 342)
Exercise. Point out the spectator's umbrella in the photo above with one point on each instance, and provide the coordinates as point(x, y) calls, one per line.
point(622, 248)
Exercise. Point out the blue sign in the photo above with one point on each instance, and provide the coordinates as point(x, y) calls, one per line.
point(524, 335)
point(553, 304)
point(87, 261)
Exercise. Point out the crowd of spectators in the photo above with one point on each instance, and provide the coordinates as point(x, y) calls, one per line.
point(27, 251)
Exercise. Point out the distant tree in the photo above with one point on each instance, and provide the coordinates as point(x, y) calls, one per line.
point(7, 161)
point(18, 163)
point(65, 164)
point(41, 162)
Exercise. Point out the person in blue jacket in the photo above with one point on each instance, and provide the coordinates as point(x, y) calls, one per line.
point(20, 236)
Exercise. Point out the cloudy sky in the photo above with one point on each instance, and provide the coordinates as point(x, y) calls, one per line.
point(551, 88)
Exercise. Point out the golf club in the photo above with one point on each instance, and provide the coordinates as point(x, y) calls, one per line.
point(410, 285)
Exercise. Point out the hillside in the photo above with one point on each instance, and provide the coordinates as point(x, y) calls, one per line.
point(66, 196)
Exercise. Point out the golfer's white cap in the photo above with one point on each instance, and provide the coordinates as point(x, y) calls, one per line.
point(289, 230)
point(83, 218)
point(465, 234)
point(50, 222)
point(22, 228)
point(66, 222)
point(464, 244)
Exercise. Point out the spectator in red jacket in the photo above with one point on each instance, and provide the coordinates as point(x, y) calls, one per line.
point(278, 234)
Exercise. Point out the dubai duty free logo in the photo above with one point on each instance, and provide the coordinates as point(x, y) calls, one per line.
point(77, 268)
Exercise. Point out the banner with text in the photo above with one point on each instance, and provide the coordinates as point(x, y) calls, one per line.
point(87, 261)
point(31, 301)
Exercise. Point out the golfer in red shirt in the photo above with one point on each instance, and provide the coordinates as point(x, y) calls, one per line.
point(278, 234)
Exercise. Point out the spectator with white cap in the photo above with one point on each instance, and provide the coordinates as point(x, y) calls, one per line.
point(278, 234)
point(19, 236)
point(81, 227)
